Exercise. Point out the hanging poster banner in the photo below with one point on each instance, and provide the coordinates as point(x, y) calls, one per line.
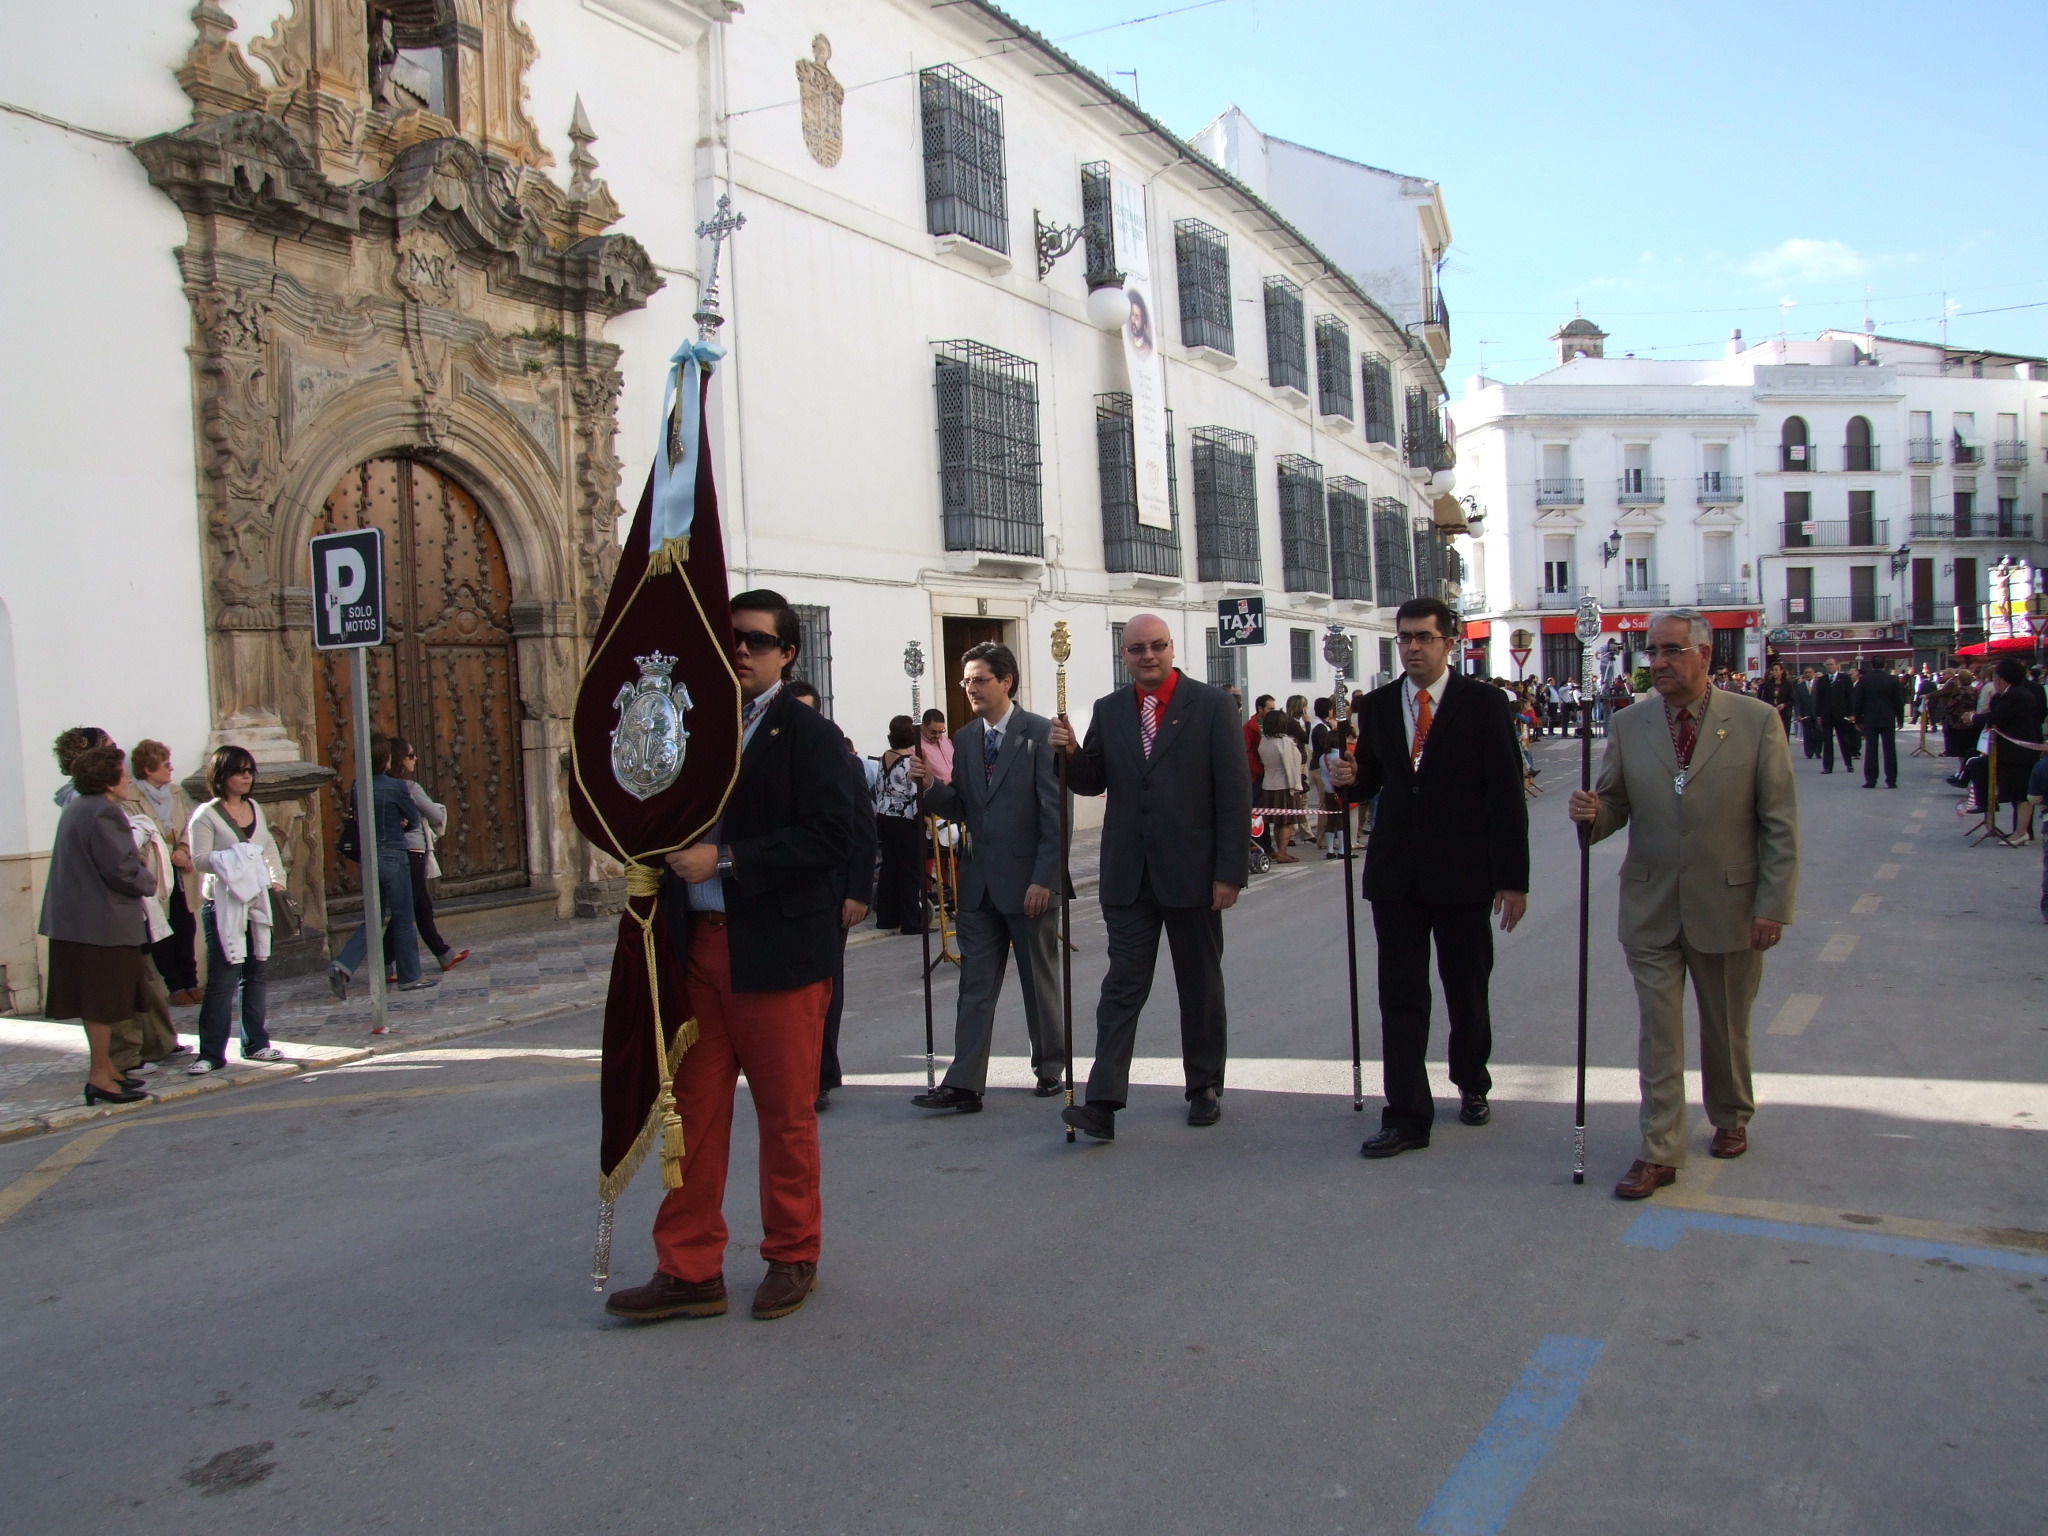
point(1141, 354)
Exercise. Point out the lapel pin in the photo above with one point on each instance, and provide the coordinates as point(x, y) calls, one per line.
point(776, 730)
point(1720, 733)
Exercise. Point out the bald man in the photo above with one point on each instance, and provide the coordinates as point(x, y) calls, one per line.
point(1175, 834)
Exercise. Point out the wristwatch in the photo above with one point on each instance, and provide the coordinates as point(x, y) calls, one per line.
point(724, 859)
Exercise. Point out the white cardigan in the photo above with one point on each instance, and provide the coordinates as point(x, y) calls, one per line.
point(211, 832)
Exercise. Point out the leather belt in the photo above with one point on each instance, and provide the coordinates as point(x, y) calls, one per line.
point(709, 919)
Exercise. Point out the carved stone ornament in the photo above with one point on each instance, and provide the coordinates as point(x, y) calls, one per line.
point(823, 97)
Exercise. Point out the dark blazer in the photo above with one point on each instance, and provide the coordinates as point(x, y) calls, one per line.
point(97, 878)
point(1457, 829)
point(789, 824)
point(1877, 699)
point(1834, 698)
point(2016, 713)
point(858, 882)
point(1012, 820)
point(1182, 818)
point(1805, 699)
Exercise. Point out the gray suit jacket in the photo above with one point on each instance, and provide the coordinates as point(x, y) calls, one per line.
point(97, 878)
point(1012, 820)
point(1706, 862)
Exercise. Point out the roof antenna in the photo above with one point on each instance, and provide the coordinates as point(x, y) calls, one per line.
point(1136, 98)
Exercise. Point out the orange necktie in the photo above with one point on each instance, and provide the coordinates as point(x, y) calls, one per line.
point(1424, 713)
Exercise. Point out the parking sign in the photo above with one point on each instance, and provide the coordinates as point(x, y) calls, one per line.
point(348, 590)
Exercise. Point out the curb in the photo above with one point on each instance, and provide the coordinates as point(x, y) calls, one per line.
point(72, 1119)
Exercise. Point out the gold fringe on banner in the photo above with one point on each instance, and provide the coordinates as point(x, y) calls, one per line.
point(672, 555)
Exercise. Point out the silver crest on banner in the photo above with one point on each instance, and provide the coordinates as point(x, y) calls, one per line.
point(649, 742)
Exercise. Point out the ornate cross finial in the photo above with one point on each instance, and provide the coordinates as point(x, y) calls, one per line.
point(719, 226)
point(582, 163)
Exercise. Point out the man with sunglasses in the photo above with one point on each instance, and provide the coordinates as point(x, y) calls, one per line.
point(1175, 839)
point(1449, 851)
point(754, 910)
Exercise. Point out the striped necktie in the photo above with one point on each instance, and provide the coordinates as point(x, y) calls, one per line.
point(1148, 721)
point(991, 744)
point(1425, 712)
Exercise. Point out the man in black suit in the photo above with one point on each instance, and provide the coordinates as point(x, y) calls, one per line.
point(754, 911)
point(1877, 706)
point(1175, 837)
point(1806, 702)
point(1835, 694)
point(856, 890)
point(1449, 850)
point(1005, 791)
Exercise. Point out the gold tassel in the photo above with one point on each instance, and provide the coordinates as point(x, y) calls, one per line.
point(671, 1144)
point(673, 555)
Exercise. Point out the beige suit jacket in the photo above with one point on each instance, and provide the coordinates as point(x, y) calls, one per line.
point(1706, 862)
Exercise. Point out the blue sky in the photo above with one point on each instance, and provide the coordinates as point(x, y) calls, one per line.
point(1677, 170)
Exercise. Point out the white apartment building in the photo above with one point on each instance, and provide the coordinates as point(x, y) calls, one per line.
point(420, 265)
point(1850, 495)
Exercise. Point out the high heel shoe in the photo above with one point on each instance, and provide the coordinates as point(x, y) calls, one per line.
point(95, 1095)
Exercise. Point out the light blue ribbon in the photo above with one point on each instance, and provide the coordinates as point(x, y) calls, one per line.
point(675, 485)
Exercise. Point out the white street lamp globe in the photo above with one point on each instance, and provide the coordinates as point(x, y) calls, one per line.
point(1108, 308)
point(1442, 481)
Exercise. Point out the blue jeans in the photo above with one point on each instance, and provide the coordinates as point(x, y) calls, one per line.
point(223, 981)
point(394, 884)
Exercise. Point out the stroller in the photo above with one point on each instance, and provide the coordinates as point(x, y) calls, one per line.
point(1262, 847)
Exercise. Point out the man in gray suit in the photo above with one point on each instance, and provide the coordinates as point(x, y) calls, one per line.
point(1175, 838)
point(1006, 790)
point(1703, 781)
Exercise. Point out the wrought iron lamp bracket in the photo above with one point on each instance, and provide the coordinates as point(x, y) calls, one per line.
point(1053, 241)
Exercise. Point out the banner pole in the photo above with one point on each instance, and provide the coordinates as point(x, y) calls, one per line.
point(1588, 629)
point(1062, 648)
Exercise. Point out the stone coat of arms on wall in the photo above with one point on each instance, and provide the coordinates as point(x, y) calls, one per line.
point(649, 743)
point(823, 97)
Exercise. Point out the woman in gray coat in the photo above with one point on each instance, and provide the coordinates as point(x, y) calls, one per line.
point(93, 918)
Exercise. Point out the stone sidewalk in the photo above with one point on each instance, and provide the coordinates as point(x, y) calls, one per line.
point(556, 967)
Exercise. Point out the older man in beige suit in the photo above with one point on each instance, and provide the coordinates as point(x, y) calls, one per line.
point(1702, 778)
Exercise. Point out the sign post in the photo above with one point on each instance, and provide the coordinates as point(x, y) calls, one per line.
point(348, 614)
point(1587, 628)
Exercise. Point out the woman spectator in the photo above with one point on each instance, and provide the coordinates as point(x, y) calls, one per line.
point(899, 887)
point(157, 795)
point(430, 820)
point(79, 738)
point(239, 866)
point(1280, 782)
point(1776, 691)
point(2015, 715)
point(149, 1038)
point(396, 817)
point(93, 918)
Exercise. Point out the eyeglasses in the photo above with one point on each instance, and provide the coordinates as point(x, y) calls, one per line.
point(1141, 647)
point(1418, 637)
point(759, 641)
point(1671, 652)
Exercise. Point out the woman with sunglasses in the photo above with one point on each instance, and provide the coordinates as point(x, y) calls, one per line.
point(429, 822)
point(234, 910)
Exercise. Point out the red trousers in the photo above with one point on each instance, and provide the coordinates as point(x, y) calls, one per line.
point(773, 1037)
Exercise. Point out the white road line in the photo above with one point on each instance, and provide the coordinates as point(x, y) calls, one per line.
point(1865, 905)
point(1905, 847)
point(1796, 1013)
point(1838, 948)
point(1887, 871)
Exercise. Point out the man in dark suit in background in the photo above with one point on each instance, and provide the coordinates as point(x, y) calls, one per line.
point(1175, 838)
point(856, 890)
point(1835, 695)
point(1005, 790)
point(1877, 707)
point(1806, 702)
point(754, 911)
point(1449, 850)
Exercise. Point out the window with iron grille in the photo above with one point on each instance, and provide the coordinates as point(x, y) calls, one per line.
point(1333, 367)
point(1350, 540)
point(1378, 378)
point(966, 191)
point(1429, 560)
point(1424, 445)
point(1392, 556)
point(1301, 655)
point(1304, 525)
point(1226, 667)
point(1226, 505)
point(814, 655)
point(988, 450)
point(1119, 674)
point(1098, 224)
point(1286, 346)
point(1201, 257)
point(1127, 544)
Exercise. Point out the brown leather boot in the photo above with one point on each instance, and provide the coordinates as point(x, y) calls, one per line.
point(666, 1296)
point(1643, 1180)
point(784, 1288)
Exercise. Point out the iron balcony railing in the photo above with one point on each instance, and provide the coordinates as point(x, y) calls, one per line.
point(1650, 595)
point(1923, 450)
point(1568, 598)
point(2009, 453)
point(1855, 533)
point(1870, 608)
point(1795, 457)
point(1560, 493)
point(1717, 489)
point(1930, 614)
point(1960, 452)
point(1731, 593)
point(1470, 603)
point(1859, 457)
point(1973, 525)
point(1639, 490)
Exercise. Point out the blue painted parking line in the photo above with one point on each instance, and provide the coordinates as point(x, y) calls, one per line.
point(1478, 1496)
point(1662, 1226)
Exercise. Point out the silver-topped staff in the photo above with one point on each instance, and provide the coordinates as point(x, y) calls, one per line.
point(1588, 630)
point(1337, 651)
point(913, 668)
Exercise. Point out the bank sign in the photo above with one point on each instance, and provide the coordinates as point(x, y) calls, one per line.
point(1241, 621)
point(348, 590)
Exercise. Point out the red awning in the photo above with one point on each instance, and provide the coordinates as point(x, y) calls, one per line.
point(2000, 647)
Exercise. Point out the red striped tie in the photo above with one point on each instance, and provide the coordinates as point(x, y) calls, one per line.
point(1148, 721)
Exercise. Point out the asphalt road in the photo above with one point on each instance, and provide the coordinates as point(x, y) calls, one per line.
point(360, 1298)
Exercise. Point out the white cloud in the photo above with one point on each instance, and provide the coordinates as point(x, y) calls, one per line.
point(1806, 261)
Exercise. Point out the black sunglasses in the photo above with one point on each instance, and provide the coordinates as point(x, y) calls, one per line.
point(759, 641)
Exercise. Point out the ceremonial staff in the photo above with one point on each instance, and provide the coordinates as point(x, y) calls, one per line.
point(913, 668)
point(1062, 648)
point(1588, 630)
point(1337, 652)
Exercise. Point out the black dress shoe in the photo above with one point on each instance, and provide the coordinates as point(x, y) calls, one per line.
point(943, 1097)
point(1205, 1108)
point(1390, 1142)
point(1048, 1088)
point(1473, 1108)
point(127, 1095)
point(823, 1102)
point(1097, 1120)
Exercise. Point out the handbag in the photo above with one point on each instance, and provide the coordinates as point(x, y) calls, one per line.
point(287, 917)
point(349, 841)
